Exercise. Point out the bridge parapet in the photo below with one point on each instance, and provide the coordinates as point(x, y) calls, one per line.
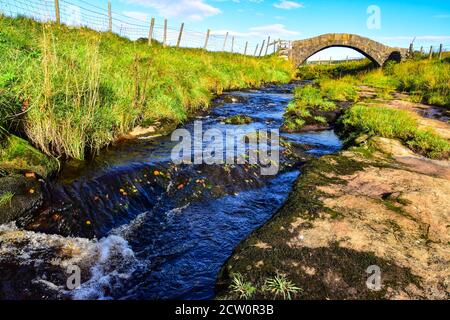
point(301, 50)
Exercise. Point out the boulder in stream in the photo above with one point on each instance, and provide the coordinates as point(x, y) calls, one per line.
point(19, 196)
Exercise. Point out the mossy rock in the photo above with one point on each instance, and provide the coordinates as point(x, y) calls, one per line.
point(239, 120)
point(19, 196)
point(234, 99)
point(18, 155)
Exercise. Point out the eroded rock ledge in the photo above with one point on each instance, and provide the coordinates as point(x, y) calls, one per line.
point(375, 204)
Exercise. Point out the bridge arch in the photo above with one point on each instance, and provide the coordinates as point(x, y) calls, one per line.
point(375, 51)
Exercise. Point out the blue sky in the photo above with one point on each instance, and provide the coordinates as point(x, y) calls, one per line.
point(396, 23)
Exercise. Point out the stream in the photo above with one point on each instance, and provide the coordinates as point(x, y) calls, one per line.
point(137, 226)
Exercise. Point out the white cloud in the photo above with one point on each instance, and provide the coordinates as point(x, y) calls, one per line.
point(288, 5)
point(273, 30)
point(189, 9)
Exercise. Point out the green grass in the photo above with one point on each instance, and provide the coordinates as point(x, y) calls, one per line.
point(312, 103)
point(333, 71)
point(82, 89)
point(5, 199)
point(17, 155)
point(397, 124)
point(239, 119)
point(306, 108)
point(241, 288)
point(280, 287)
point(428, 81)
point(342, 89)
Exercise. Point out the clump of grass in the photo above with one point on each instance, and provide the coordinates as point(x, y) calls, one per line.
point(396, 124)
point(82, 89)
point(339, 90)
point(243, 289)
point(5, 199)
point(239, 119)
point(430, 78)
point(307, 108)
point(280, 287)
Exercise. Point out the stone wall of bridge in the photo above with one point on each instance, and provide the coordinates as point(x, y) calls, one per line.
point(301, 50)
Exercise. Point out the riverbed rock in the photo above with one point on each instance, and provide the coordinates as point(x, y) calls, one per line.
point(17, 155)
point(239, 119)
point(27, 196)
point(229, 98)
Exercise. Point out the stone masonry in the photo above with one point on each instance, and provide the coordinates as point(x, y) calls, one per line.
point(303, 49)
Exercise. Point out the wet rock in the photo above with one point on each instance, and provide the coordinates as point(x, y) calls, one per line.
point(234, 99)
point(24, 196)
point(18, 155)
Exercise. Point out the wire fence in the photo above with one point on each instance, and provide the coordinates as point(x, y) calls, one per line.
point(101, 17)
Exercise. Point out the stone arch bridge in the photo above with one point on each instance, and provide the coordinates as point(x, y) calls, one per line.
point(299, 51)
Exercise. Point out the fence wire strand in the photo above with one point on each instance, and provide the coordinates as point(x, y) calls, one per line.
point(81, 13)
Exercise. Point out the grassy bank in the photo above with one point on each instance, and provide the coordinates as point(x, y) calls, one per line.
point(428, 81)
point(339, 85)
point(78, 90)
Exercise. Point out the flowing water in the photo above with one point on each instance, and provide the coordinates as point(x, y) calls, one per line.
point(140, 227)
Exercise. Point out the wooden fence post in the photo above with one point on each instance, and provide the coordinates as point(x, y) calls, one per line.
point(246, 46)
point(267, 47)
point(411, 49)
point(165, 33)
point(57, 13)
point(232, 44)
point(430, 55)
point(109, 17)
point(150, 32)
point(421, 50)
point(262, 47)
point(207, 39)
point(180, 35)
point(274, 46)
point(330, 61)
point(441, 47)
point(225, 42)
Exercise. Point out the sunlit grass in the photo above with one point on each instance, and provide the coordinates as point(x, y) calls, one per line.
point(5, 199)
point(280, 287)
point(397, 124)
point(82, 89)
